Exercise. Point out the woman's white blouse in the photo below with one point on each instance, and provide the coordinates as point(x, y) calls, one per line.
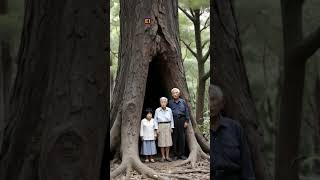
point(147, 129)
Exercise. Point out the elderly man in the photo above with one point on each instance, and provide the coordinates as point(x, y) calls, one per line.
point(164, 125)
point(229, 153)
point(181, 119)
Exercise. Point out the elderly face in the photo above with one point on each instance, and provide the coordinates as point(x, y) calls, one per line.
point(163, 103)
point(216, 104)
point(175, 94)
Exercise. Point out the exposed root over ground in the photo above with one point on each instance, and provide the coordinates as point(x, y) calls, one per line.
point(195, 156)
point(166, 170)
point(134, 164)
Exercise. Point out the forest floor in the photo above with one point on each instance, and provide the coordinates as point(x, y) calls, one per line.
point(201, 171)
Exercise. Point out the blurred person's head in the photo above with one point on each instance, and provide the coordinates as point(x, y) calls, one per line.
point(216, 102)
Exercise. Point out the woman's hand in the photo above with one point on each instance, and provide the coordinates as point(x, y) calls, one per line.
point(158, 132)
point(141, 138)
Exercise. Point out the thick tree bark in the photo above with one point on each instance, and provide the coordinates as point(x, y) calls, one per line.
point(58, 118)
point(228, 72)
point(296, 52)
point(149, 67)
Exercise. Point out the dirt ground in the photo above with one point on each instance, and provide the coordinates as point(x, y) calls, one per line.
point(169, 171)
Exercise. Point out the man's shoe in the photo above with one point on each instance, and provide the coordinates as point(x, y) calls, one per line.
point(169, 159)
point(174, 158)
point(162, 159)
point(183, 157)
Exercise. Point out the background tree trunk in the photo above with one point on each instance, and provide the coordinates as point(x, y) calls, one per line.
point(58, 119)
point(150, 65)
point(201, 71)
point(228, 72)
point(296, 52)
point(287, 144)
point(203, 76)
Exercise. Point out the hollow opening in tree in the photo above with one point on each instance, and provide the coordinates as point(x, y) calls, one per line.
point(157, 85)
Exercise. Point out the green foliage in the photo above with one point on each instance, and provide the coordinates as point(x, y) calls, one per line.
point(9, 27)
point(11, 23)
point(114, 35)
point(260, 29)
point(205, 126)
point(307, 163)
point(195, 4)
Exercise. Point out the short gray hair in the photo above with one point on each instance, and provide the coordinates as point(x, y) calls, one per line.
point(164, 98)
point(175, 89)
point(215, 90)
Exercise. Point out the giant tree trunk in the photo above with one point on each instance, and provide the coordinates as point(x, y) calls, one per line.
point(150, 66)
point(58, 118)
point(296, 53)
point(228, 72)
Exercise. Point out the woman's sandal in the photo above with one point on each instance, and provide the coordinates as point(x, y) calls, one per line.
point(147, 160)
point(152, 160)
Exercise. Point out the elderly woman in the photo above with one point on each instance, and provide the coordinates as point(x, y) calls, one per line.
point(164, 124)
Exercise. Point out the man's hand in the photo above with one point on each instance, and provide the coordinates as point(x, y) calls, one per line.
point(155, 135)
point(185, 125)
point(141, 138)
point(171, 130)
point(158, 131)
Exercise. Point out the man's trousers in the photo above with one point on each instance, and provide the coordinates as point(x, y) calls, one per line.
point(179, 137)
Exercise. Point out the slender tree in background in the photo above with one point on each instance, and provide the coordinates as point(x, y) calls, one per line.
point(228, 72)
point(58, 120)
point(297, 50)
point(150, 65)
point(194, 16)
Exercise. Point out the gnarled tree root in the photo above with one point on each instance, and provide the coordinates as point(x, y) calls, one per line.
point(130, 163)
point(194, 156)
point(204, 144)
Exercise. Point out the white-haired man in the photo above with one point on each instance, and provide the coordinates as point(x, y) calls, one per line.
point(181, 120)
point(164, 125)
